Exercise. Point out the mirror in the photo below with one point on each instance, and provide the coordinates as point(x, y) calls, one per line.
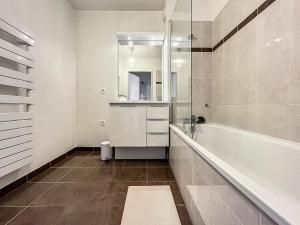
point(140, 67)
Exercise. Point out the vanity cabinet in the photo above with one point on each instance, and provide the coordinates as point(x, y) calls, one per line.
point(127, 126)
point(139, 125)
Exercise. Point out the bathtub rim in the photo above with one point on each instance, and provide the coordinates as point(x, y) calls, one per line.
point(282, 211)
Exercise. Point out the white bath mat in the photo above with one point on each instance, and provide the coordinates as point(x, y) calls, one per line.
point(150, 205)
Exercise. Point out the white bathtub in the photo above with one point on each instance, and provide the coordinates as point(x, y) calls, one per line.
point(265, 169)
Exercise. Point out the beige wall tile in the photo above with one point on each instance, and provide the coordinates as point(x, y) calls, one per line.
point(201, 110)
point(217, 91)
point(247, 117)
point(246, 7)
point(294, 133)
point(273, 120)
point(218, 29)
point(247, 43)
point(273, 78)
point(274, 31)
point(217, 114)
point(206, 71)
point(247, 78)
point(230, 87)
point(230, 54)
point(218, 62)
point(230, 15)
point(294, 93)
point(230, 115)
point(202, 32)
point(202, 91)
point(196, 65)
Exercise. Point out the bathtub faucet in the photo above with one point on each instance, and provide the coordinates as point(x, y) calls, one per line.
point(196, 120)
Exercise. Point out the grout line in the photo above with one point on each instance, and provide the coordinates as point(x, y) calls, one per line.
point(30, 203)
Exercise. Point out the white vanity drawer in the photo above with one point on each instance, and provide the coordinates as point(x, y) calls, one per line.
point(157, 126)
point(157, 140)
point(158, 112)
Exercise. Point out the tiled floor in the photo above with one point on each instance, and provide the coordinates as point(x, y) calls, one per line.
point(81, 189)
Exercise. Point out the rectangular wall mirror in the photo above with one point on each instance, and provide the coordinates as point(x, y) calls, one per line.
point(140, 66)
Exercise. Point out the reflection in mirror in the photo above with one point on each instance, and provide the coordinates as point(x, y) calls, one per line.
point(140, 69)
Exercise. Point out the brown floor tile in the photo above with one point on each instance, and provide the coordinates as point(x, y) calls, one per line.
point(7, 213)
point(92, 175)
point(86, 195)
point(79, 175)
point(113, 163)
point(81, 153)
point(90, 216)
point(183, 215)
point(96, 154)
point(135, 163)
point(175, 191)
point(51, 175)
point(25, 194)
point(106, 174)
point(160, 174)
point(37, 216)
point(91, 162)
point(69, 162)
point(158, 163)
point(133, 174)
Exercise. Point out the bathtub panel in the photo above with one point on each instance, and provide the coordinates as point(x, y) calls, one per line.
point(201, 192)
point(186, 175)
point(243, 208)
point(210, 198)
point(222, 215)
point(172, 152)
point(202, 166)
point(195, 216)
point(177, 161)
point(265, 220)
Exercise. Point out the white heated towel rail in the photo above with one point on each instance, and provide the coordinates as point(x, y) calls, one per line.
point(16, 126)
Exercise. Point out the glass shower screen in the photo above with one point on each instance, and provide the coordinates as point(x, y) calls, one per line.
point(181, 57)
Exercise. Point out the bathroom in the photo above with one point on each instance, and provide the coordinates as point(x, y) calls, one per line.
point(199, 100)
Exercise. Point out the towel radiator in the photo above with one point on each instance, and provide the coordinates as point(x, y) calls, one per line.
point(16, 87)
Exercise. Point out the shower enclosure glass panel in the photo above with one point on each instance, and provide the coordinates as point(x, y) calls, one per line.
point(180, 47)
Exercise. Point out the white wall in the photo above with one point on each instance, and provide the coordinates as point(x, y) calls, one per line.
point(97, 65)
point(52, 24)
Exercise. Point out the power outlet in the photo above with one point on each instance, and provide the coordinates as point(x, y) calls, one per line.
point(103, 91)
point(102, 123)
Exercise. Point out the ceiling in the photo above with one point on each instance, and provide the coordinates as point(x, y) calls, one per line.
point(119, 5)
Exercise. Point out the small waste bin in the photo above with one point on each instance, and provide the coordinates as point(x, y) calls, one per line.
point(106, 151)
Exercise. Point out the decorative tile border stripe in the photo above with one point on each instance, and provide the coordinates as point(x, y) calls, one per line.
point(202, 49)
point(235, 30)
point(5, 190)
point(252, 16)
